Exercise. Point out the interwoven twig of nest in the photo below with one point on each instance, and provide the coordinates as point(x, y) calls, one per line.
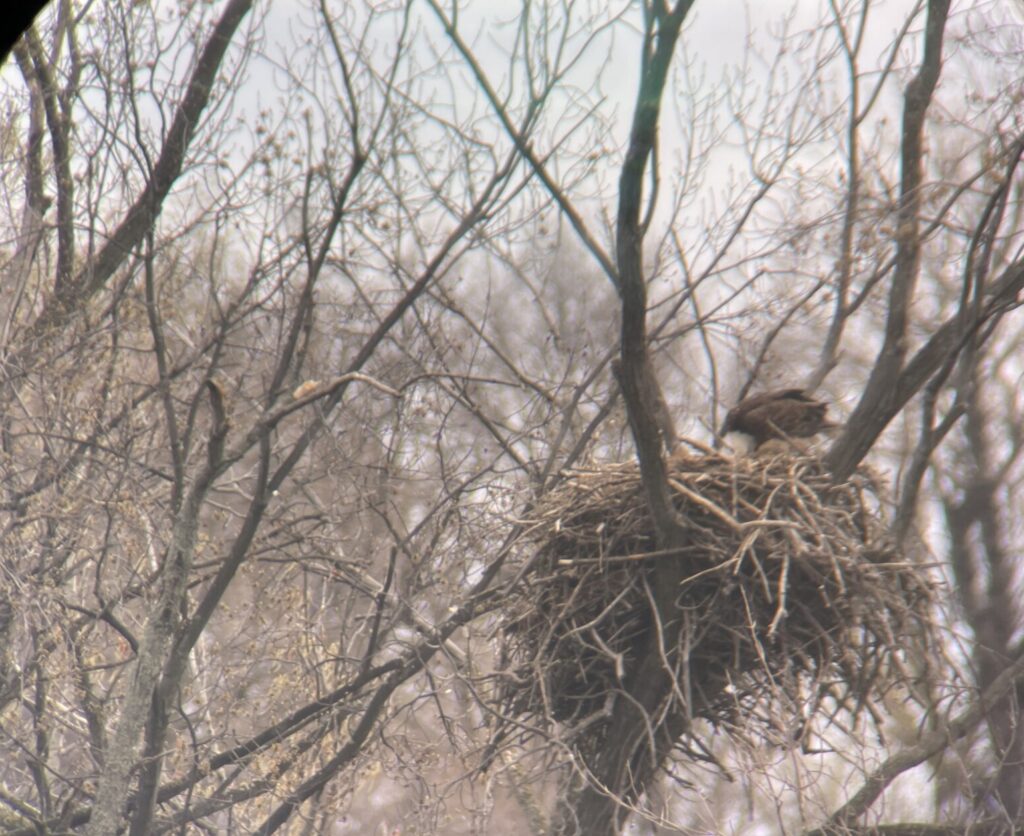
point(791, 595)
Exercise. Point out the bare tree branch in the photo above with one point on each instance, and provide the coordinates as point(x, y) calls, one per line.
point(640, 736)
point(143, 213)
point(878, 403)
point(930, 745)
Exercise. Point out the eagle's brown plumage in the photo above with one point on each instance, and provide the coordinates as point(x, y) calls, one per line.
point(783, 413)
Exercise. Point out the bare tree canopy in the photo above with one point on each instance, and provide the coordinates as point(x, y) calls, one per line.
point(362, 368)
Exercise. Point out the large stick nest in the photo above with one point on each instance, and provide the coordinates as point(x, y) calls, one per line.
point(793, 606)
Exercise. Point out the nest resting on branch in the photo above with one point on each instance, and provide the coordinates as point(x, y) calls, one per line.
point(793, 605)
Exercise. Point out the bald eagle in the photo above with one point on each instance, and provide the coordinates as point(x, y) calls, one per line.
point(780, 414)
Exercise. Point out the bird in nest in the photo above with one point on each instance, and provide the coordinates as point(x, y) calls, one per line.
point(777, 416)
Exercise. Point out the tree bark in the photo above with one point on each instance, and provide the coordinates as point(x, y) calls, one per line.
point(881, 399)
point(120, 757)
point(646, 720)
